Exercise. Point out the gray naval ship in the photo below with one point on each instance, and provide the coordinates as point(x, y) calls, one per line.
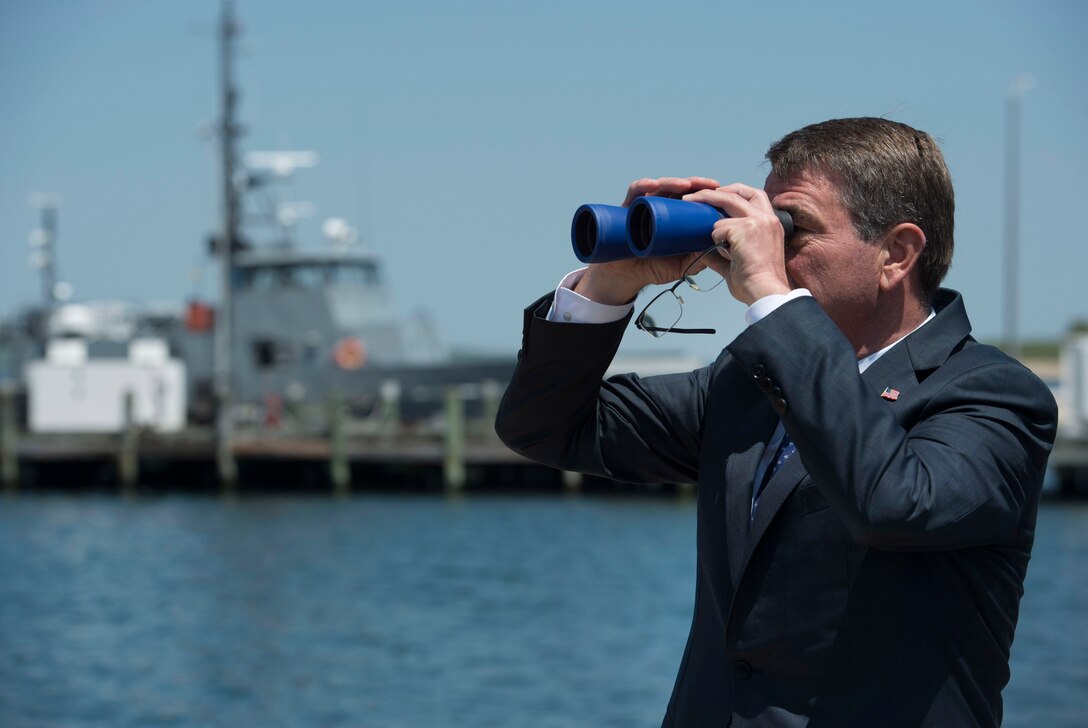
point(292, 326)
point(306, 323)
point(309, 322)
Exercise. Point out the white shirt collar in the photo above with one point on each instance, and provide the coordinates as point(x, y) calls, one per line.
point(865, 362)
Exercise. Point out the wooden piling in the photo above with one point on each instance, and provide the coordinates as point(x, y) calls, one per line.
point(389, 402)
point(226, 465)
point(9, 440)
point(339, 468)
point(128, 454)
point(453, 462)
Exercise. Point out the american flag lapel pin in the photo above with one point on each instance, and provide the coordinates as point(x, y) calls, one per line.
point(890, 394)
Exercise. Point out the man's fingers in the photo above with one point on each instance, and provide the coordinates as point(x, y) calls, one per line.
point(674, 187)
point(700, 183)
point(722, 264)
point(757, 197)
point(638, 188)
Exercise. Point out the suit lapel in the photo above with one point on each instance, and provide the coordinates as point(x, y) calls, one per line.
point(740, 471)
point(771, 499)
point(894, 370)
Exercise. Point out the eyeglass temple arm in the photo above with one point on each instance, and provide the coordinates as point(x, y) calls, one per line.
point(679, 331)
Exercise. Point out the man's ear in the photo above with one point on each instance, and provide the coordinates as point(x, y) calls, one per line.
point(902, 251)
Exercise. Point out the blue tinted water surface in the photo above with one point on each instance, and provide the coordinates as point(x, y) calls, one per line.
point(392, 611)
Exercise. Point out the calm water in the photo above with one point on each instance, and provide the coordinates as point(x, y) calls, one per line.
point(388, 611)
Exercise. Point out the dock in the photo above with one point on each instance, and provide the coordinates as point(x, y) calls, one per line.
point(454, 450)
point(265, 460)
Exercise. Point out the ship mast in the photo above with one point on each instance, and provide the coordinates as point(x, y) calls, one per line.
point(226, 240)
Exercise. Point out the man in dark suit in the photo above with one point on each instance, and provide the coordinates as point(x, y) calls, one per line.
point(868, 474)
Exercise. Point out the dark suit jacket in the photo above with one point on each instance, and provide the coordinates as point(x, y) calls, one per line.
point(879, 584)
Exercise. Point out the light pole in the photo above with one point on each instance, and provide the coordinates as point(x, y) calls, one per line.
point(1019, 86)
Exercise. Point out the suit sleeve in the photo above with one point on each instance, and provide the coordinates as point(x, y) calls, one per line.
point(558, 410)
point(960, 475)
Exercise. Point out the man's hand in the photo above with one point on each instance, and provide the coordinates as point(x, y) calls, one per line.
point(754, 263)
point(620, 281)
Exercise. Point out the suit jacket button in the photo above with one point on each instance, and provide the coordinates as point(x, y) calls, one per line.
point(742, 670)
point(759, 371)
point(780, 406)
point(765, 383)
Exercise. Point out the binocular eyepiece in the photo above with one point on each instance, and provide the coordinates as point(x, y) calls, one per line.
point(650, 227)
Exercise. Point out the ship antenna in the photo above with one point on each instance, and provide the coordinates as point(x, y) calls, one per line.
point(272, 171)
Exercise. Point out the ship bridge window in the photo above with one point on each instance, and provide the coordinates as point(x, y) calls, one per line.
point(353, 274)
point(308, 276)
point(311, 277)
point(266, 278)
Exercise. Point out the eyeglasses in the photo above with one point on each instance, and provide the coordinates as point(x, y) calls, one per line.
point(664, 310)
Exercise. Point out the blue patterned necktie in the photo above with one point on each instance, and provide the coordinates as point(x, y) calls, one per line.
point(786, 449)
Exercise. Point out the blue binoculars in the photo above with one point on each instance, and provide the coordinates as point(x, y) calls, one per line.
point(650, 227)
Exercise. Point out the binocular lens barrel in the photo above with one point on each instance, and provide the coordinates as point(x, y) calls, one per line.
point(599, 233)
point(659, 226)
point(650, 227)
point(640, 228)
point(584, 232)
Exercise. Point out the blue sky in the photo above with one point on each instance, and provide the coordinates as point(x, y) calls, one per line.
point(460, 137)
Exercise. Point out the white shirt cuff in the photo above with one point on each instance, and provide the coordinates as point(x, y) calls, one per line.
point(574, 308)
point(764, 306)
